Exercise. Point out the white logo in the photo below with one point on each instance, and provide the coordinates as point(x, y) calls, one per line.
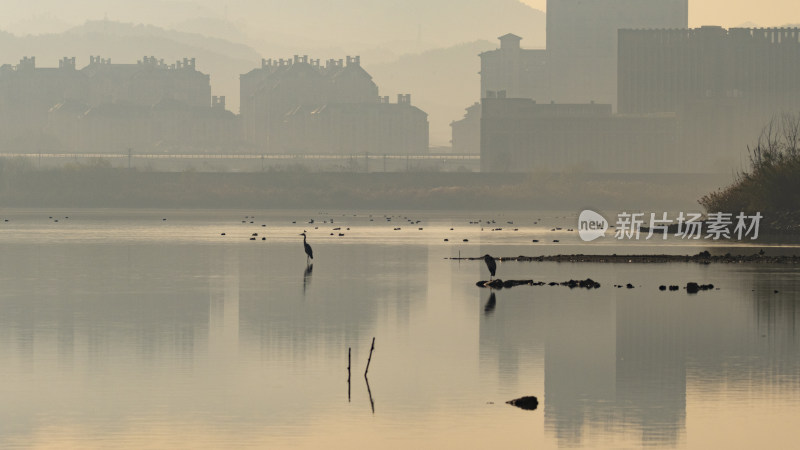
point(591, 225)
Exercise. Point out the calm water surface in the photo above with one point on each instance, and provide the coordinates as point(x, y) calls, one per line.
point(122, 329)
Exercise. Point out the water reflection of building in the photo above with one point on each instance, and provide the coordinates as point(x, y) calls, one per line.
point(621, 364)
point(651, 367)
point(510, 338)
point(337, 307)
point(223, 314)
point(579, 369)
point(94, 309)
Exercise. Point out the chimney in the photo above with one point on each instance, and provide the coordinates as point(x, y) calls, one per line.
point(67, 63)
point(27, 63)
point(509, 42)
point(218, 103)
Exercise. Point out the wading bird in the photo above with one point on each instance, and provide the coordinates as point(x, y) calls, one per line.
point(309, 252)
point(490, 264)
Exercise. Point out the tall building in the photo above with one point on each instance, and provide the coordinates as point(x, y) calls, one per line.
point(147, 82)
point(582, 42)
point(578, 67)
point(27, 93)
point(724, 85)
point(110, 107)
point(352, 128)
point(280, 86)
point(520, 135)
point(301, 106)
point(467, 131)
point(665, 70)
point(520, 72)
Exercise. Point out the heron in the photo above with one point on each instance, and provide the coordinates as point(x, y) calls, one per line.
point(309, 252)
point(490, 264)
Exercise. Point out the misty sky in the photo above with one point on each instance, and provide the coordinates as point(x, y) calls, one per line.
point(40, 15)
point(731, 13)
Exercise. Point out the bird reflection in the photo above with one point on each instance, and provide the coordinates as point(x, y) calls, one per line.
point(307, 276)
point(490, 304)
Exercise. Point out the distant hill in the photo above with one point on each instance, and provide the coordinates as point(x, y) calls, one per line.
point(442, 82)
point(417, 24)
point(300, 26)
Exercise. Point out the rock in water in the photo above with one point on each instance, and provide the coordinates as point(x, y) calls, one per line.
point(529, 403)
point(495, 284)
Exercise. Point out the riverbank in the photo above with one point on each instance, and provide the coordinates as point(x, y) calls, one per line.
point(703, 257)
point(98, 187)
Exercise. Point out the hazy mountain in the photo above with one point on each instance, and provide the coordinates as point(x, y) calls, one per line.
point(442, 82)
point(38, 24)
point(301, 26)
point(366, 23)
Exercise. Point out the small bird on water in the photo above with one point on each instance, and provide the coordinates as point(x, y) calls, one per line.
point(490, 264)
point(309, 252)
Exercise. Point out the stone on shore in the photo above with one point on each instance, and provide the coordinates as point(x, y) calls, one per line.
point(529, 403)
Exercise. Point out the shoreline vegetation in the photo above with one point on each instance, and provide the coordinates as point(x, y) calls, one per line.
point(97, 184)
point(771, 186)
point(703, 257)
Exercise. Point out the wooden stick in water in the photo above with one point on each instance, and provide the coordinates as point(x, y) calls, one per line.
point(370, 357)
point(369, 391)
point(348, 373)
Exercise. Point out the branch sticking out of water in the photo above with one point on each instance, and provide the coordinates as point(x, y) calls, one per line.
point(348, 373)
point(370, 357)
